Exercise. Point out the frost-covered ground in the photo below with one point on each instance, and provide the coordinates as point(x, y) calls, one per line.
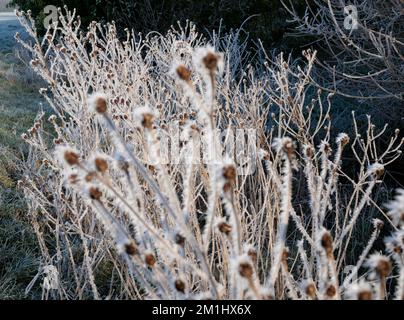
point(19, 103)
point(8, 26)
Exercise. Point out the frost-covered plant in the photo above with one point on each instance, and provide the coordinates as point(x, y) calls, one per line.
point(220, 218)
point(364, 42)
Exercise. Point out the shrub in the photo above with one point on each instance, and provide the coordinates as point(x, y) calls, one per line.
point(364, 61)
point(225, 217)
point(268, 17)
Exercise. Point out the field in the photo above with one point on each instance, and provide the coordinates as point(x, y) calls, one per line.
point(19, 104)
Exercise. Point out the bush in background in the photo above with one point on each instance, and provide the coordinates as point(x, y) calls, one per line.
point(268, 17)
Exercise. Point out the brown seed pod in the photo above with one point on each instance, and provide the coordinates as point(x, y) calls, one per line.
point(365, 295)
point(101, 164)
point(230, 173)
point(331, 291)
point(326, 243)
point(90, 176)
point(379, 172)
point(211, 61)
point(309, 152)
point(150, 259)
point(101, 105)
point(180, 285)
point(95, 193)
point(344, 140)
point(285, 255)
point(383, 268)
point(252, 253)
point(131, 249)
point(310, 290)
point(147, 121)
point(183, 73)
point(246, 270)
point(225, 228)
point(74, 178)
point(179, 239)
point(71, 157)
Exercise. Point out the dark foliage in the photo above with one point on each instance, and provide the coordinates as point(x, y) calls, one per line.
point(268, 19)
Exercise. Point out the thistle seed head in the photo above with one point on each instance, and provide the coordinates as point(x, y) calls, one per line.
point(101, 164)
point(98, 103)
point(180, 285)
point(246, 270)
point(150, 259)
point(71, 157)
point(131, 248)
point(331, 291)
point(326, 242)
point(224, 227)
point(183, 73)
point(95, 193)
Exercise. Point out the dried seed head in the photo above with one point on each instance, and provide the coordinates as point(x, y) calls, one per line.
point(95, 193)
point(378, 224)
point(183, 73)
point(285, 145)
point(71, 157)
point(263, 155)
point(90, 176)
point(325, 147)
point(101, 164)
point(149, 259)
point(180, 285)
point(380, 264)
point(360, 290)
point(376, 169)
point(252, 253)
point(52, 118)
point(395, 242)
point(308, 152)
point(230, 173)
point(343, 139)
point(98, 103)
point(210, 61)
point(130, 248)
point(365, 295)
point(73, 178)
point(144, 117)
point(224, 227)
point(326, 242)
point(310, 290)
point(147, 121)
point(179, 239)
point(285, 255)
point(331, 291)
point(245, 269)
point(383, 268)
